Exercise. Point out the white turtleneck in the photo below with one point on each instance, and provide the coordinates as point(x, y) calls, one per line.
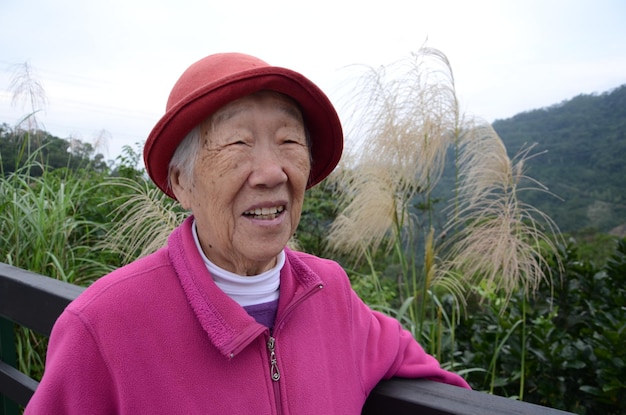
point(245, 290)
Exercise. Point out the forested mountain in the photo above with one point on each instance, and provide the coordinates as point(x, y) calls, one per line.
point(580, 148)
point(17, 146)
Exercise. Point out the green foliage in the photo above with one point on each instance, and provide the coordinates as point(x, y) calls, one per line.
point(594, 247)
point(42, 228)
point(318, 212)
point(574, 342)
point(379, 293)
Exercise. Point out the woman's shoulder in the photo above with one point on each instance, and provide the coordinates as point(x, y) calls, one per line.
point(143, 276)
point(326, 269)
point(313, 261)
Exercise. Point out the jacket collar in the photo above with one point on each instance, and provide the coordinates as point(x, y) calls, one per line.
point(227, 324)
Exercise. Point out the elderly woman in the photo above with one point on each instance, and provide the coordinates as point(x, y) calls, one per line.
point(225, 318)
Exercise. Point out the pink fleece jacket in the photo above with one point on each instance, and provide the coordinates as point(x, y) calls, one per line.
point(159, 337)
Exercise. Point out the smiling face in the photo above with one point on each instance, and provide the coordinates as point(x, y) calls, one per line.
point(247, 186)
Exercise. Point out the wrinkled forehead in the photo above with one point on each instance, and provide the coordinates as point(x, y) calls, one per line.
point(270, 98)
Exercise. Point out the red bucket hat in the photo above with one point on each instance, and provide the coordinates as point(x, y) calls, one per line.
point(216, 80)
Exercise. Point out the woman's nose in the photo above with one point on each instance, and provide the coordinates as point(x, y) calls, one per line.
point(268, 168)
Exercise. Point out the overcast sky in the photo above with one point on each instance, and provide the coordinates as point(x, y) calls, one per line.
point(110, 65)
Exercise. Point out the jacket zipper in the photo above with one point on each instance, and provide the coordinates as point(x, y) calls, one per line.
point(271, 345)
point(274, 372)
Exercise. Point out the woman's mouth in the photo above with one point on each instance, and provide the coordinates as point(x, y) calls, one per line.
point(265, 213)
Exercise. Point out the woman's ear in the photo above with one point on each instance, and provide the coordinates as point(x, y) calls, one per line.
point(179, 184)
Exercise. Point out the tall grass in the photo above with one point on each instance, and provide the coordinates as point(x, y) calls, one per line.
point(143, 221)
point(409, 120)
point(42, 230)
point(495, 238)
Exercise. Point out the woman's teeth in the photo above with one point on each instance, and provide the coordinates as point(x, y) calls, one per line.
point(265, 213)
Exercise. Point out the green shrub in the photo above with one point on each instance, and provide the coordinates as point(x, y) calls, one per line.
point(575, 357)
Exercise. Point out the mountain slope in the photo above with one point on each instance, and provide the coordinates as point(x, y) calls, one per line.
point(580, 148)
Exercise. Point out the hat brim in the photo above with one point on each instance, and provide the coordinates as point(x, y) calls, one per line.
point(319, 115)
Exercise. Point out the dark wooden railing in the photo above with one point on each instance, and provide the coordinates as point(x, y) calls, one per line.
point(35, 301)
point(30, 300)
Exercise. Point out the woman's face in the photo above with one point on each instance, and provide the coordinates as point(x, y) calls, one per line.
point(248, 182)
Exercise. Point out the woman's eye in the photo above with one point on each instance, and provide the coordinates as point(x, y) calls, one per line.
point(293, 140)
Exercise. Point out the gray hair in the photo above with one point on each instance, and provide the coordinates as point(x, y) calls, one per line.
point(184, 158)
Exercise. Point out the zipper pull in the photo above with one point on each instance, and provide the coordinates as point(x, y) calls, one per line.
point(274, 372)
